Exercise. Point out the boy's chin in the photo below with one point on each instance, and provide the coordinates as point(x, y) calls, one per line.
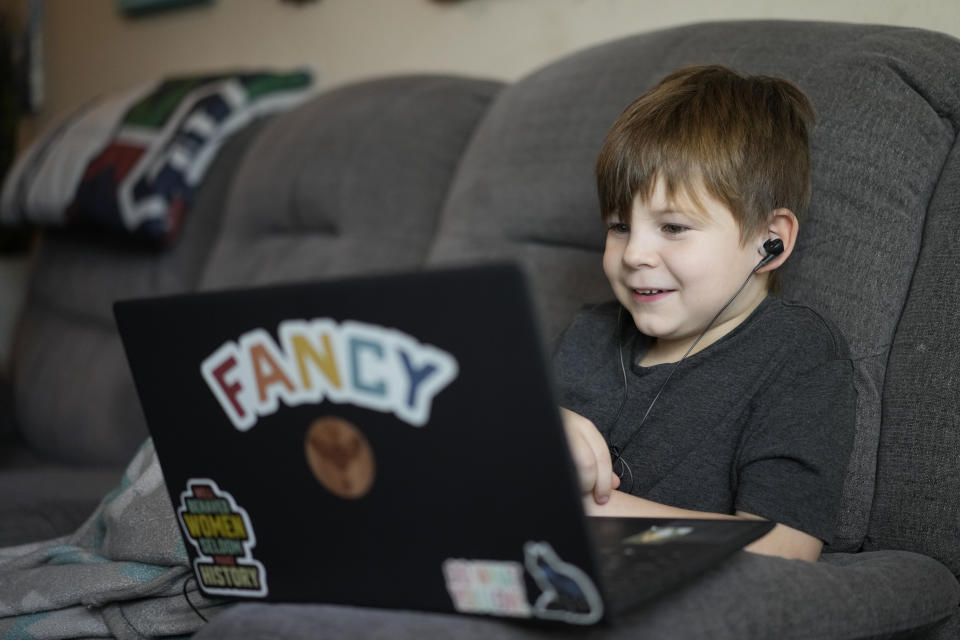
point(652, 326)
point(663, 333)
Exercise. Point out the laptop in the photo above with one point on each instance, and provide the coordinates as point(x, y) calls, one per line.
point(389, 441)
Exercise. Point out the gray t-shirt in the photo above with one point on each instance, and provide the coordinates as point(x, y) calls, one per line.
point(761, 421)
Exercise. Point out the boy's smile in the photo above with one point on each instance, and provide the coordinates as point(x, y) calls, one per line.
point(673, 265)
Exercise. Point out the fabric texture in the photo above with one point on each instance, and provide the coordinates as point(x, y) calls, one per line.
point(341, 187)
point(123, 574)
point(916, 506)
point(761, 421)
point(750, 596)
point(130, 163)
point(41, 502)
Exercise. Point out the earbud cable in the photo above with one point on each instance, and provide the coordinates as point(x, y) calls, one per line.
point(187, 598)
point(616, 452)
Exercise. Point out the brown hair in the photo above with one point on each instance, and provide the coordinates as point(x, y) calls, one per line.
point(742, 138)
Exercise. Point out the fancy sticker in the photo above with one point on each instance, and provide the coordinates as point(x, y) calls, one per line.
point(221, 532)
point(487, 587)
point(350, 362)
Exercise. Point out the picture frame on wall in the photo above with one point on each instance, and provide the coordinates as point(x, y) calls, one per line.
point(145, 7)
point(23, 39)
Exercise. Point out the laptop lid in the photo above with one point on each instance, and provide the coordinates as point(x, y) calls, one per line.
point(388, 441)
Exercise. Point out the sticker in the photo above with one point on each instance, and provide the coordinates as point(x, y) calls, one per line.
point(498, 587)
point(487, 586)
point(351, 362)
point(221, 532)
point(567, 592)
point(659, 535)
point(340, 457)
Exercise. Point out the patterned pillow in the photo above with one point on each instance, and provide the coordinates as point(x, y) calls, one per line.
point(129, 163)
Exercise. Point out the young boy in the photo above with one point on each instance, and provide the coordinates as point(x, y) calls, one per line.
point(697, 393)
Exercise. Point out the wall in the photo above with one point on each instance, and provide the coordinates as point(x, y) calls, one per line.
point(89, 48)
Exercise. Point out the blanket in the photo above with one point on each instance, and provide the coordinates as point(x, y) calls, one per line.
point(123, 574)
point(129, 163)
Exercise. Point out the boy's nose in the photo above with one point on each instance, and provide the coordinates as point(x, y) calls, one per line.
point(640, 251)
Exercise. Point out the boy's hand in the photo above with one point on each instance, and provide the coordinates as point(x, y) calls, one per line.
point(591, 456)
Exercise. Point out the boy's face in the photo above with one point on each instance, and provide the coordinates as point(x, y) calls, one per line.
point(673, 266)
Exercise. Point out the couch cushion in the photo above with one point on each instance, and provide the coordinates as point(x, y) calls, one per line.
point(844, 596)
point(879, 147)
point(341, 185)
point(47, 501)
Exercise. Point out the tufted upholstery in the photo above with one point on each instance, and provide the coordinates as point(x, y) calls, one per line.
point(339, 186)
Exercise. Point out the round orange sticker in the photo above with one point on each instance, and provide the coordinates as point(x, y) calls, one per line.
point(340, 457)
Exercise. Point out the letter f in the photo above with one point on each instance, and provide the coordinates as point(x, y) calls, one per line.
point(227, 389)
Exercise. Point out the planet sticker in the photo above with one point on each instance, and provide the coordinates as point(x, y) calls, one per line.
point(340, 457)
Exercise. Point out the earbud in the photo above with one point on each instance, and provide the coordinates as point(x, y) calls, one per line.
point(771, 249)
point(773, 246)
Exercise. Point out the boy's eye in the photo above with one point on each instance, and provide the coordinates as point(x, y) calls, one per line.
point(673, 229)
point(618, 227)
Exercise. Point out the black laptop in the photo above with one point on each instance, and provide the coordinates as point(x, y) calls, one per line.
point(388, 441)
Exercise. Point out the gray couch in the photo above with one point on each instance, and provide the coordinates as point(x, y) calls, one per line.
point(420, 171)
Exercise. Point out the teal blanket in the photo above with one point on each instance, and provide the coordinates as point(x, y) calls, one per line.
point(123, 574)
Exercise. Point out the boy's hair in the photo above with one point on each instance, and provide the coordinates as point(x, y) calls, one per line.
point(744, 139)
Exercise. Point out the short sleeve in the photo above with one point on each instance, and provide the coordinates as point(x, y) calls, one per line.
point(794, 455)
point(583, 359)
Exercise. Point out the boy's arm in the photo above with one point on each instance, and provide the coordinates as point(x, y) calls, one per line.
point(782, 541)
point(598, 483)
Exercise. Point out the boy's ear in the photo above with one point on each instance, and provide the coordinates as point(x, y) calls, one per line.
point(784, 225)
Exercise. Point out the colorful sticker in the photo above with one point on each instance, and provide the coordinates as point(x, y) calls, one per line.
point(340, 457)
point(349, 362)
point(498, 587)
point(221, 532)
point(567, 592)
point(487, 586)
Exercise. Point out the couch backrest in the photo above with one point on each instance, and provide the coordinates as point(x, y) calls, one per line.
point(350, 182)
point(887, 102)
point(917, 500)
